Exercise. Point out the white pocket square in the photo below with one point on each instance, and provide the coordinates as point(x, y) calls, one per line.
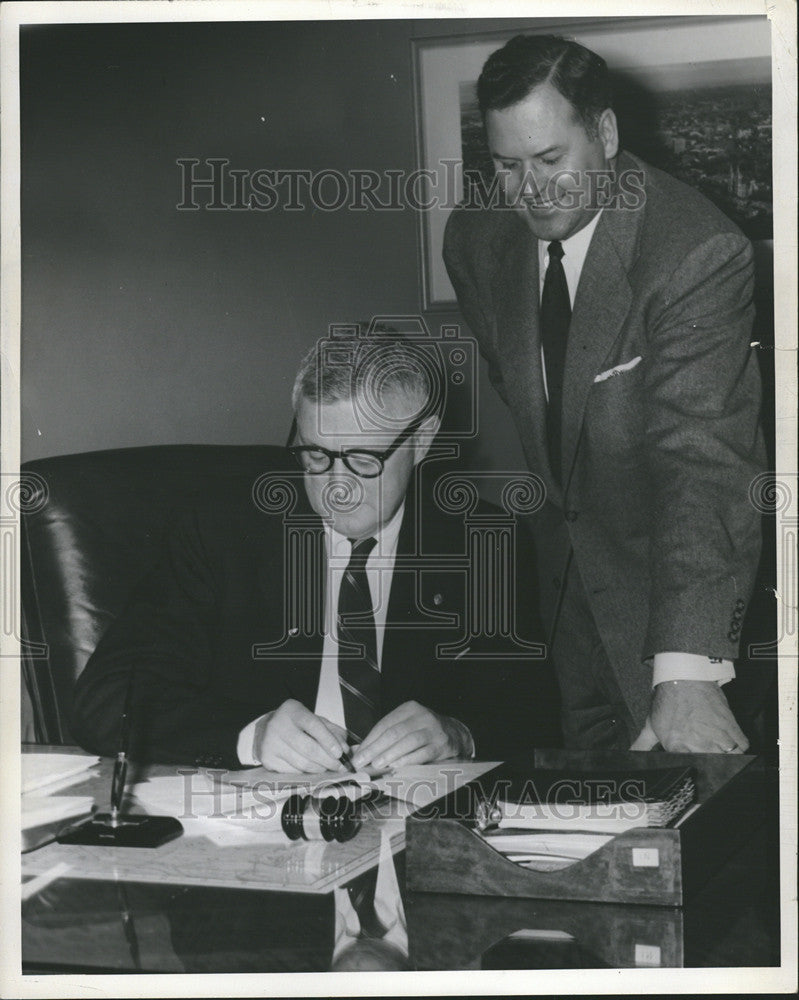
point(618, 369)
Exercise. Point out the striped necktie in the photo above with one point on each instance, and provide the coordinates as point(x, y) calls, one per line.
point(358, 669)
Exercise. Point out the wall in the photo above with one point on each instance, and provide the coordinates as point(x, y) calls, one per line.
point(143, 324)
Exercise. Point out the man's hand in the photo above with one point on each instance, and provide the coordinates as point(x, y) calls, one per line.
point(294, 739)
point(694, 717)
point(412, 734)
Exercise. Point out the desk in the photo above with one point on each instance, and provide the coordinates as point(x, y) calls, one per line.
point(190, 907)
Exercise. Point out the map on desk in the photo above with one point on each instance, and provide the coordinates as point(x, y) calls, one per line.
point(234, 851)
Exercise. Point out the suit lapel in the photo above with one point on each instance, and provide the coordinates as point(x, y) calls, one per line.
point(411, 630)
point(293, 593)
point(601, 305)
point(519, 344)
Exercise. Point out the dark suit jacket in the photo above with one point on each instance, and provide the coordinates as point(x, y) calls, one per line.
point(658, 458)
point(229, 625)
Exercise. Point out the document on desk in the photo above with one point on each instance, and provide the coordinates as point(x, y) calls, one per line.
point(220, 848)
point(247, 803)
point(413, 786)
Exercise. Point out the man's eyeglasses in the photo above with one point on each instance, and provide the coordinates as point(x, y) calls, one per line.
point(363, 462)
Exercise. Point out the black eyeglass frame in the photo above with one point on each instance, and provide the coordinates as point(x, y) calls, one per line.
point(381, 456)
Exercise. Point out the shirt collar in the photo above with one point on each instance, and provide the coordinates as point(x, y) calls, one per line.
point(386, 537)
point(575, 247)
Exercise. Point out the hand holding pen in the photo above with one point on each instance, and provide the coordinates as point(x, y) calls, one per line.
point(293, 739)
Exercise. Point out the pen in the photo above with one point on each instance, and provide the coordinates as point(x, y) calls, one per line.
point(346, 760)
point(118, 785)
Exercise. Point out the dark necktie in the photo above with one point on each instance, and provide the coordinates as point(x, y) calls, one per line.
point(555, 318)
point(358, 669)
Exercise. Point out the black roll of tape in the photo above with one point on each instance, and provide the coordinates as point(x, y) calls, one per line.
point(331, 818)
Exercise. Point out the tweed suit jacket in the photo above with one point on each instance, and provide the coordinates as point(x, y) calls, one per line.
point(661, 400)
point(229, 625)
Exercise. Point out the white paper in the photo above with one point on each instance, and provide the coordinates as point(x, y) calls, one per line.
point(54, 770)
point(565, 845)
point(40, 809)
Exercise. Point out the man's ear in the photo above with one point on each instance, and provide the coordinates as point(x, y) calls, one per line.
point(424, 436)
point(608, 130)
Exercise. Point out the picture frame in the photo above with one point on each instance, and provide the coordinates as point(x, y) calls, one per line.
point(705, 119)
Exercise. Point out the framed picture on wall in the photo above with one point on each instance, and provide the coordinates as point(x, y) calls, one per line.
point(692, 95)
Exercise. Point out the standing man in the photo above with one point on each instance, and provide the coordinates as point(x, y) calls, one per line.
point(614, 307)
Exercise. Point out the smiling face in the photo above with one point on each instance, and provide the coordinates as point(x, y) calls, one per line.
point(544, 154)
point(356, 507)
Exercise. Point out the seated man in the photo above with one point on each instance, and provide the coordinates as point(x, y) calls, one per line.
point(292, 623)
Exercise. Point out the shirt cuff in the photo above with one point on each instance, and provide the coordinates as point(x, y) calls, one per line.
point(690, 667)
point(245, 746)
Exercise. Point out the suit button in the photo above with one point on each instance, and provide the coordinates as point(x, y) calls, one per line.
point(739, 603)
point(571, 516)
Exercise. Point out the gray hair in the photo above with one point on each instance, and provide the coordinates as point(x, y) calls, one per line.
point(375, 371)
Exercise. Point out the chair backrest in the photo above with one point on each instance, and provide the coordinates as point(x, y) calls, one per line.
point(93, 525)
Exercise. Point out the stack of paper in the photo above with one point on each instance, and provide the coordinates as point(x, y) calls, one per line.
point(600, 802)
point(54, 771)
point(40, 809)
point(546, 851)
point(48, 773)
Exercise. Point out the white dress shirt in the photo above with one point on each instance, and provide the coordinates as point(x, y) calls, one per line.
point(666, 666)
point(379, 572)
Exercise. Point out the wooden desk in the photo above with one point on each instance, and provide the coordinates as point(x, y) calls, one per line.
point(189, 907)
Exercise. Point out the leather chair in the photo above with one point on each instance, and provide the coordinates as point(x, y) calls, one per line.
point(92, 525)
